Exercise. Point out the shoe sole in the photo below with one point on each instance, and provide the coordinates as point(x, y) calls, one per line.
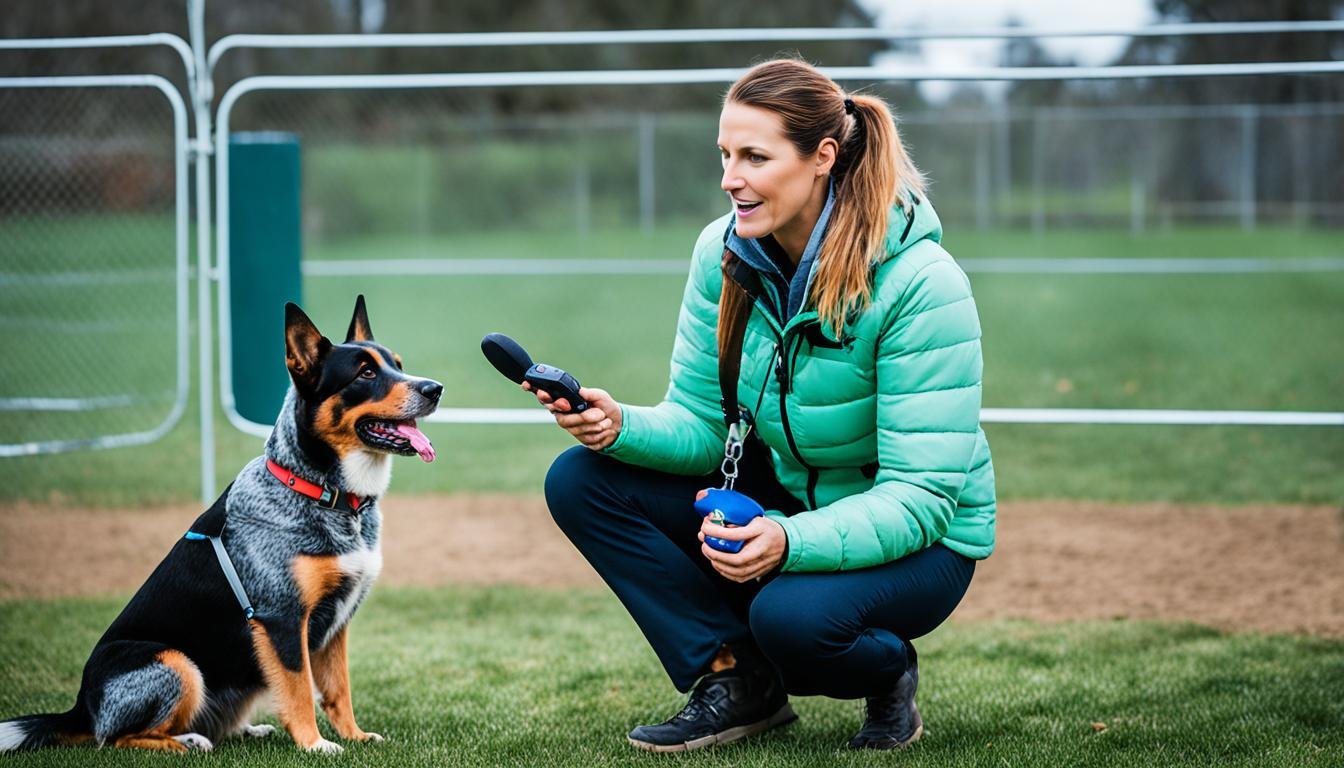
point(783, 716)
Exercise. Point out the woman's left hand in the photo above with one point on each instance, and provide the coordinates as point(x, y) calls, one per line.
point(764, 548)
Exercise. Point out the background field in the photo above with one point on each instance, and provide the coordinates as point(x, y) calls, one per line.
point(1231, 341)
point(489, 641)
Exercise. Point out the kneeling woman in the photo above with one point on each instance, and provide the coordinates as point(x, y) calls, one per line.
point(860, 371)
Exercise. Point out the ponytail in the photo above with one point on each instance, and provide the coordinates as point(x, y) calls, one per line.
point(872, 173)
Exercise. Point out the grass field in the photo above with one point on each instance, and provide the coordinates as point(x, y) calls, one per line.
point(501, 676)
point(510, 676)
point(1240, 341)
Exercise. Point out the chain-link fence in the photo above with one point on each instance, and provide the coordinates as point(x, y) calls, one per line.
point(87, 288)
point(90, 280)
point(398, 162)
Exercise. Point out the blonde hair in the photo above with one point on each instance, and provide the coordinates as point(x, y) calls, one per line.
point(872, 172)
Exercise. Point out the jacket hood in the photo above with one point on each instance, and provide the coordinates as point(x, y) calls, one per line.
point(905, 228)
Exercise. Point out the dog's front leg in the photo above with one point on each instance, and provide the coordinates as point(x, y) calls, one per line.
point(282, 650)
point(331, 672)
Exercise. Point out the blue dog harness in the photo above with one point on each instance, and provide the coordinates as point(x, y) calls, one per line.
point(226, 565)
point(210, 527)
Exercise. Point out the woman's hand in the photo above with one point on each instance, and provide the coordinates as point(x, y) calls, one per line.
point(764, 548)
point(596, 427)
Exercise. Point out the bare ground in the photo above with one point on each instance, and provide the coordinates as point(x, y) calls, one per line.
point(1273, 569)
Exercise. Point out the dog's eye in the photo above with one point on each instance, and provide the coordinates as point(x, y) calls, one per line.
point(368, 373)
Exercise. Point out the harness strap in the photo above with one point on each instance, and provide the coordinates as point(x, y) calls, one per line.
point(226, 565)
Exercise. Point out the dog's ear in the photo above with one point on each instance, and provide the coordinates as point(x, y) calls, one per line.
point(359, 324)
point(305, 348)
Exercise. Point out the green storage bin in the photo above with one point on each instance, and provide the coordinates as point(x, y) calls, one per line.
point(265, 245)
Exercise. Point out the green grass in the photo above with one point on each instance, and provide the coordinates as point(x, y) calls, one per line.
point(507, 676)
point(1243, 342)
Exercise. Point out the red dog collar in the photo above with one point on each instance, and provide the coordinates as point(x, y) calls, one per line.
point(326, 496)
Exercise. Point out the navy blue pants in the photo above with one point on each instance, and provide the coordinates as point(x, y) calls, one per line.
point(841, 634)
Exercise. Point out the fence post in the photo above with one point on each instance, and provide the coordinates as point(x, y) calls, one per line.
point(583, 181)
point(1037, 174)
point(646, 177)
point(1003, 160)
point(983, 178)
point(1248, 161)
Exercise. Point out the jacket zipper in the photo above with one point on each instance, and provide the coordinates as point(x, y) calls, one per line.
point(782, 377)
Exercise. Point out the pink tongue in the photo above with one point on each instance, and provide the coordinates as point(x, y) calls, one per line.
point(418, 440)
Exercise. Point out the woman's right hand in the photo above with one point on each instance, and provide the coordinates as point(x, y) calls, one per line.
point(595, 427)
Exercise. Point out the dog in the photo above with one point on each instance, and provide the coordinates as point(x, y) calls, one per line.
point(258, 596)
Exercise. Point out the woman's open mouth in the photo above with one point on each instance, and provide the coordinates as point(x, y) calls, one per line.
point(745, 208)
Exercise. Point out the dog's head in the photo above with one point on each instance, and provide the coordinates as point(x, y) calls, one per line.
point(354, 396)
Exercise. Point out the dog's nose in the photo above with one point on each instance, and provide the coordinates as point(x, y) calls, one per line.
point(430, 389)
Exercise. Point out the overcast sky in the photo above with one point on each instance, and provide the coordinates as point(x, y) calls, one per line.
point(975, 14)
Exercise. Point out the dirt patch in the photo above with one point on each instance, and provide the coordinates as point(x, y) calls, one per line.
point(1261, 568)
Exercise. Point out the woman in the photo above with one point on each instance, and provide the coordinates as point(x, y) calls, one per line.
point(862, 359)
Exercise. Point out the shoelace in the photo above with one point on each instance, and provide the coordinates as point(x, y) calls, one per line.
point(697, 704)
point(882, 709)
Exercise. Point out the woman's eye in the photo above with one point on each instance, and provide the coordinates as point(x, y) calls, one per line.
point(367, 373)
point(756, 158)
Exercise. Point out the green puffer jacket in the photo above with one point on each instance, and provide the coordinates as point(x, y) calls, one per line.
point(877, 432)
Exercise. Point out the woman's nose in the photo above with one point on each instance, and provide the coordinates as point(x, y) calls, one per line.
point(731, 180)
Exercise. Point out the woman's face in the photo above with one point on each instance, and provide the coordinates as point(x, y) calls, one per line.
point(774, 191)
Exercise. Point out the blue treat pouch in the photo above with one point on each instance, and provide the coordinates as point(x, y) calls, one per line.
point(727, 507)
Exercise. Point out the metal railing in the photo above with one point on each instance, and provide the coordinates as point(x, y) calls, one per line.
point(721, 75)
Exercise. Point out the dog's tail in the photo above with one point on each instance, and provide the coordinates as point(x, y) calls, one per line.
point(36, 731)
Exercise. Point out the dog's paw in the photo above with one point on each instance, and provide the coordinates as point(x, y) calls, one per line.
point(258, 731)
point(372, 738)
point(322, 746)
point(195, 742)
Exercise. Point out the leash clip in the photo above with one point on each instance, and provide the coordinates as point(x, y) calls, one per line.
point(732, 453)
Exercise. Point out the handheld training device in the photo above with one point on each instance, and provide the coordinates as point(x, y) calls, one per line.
point(510, 359)
point(725, 506)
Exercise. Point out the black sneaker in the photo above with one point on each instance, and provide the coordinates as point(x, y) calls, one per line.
point(724, 706)
point(893, 720)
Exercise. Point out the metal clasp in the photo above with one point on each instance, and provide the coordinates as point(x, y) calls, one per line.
point(329, 498)
point(732, 453)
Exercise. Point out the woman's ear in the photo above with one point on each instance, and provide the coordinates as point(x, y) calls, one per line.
point(826, 154)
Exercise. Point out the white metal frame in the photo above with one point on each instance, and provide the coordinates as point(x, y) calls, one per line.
point(760, 35)
point(181, 212)
point(724, 75)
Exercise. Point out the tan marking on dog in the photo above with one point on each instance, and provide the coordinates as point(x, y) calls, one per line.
point(316, 576)
point(160, 736)
point(303, 343)
point(331, 673)
point(396, 359)
point(73, 739)
point(338, 433)
point(359, 326)
point(154, 741)
point(193, 691)
point(377, 357)
point(292, 691)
